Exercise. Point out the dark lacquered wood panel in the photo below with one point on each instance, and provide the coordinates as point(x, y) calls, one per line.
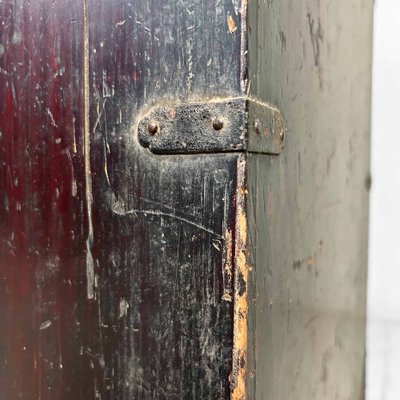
point(42, 201)
point(161, 223)
point(113, 261)
point(164, 299)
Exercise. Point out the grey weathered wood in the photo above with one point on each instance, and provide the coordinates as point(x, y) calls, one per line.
point(308, 207)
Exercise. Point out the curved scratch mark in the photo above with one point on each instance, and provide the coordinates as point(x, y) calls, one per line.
point(168, 215)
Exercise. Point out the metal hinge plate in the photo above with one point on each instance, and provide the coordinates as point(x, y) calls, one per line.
point(228, 125)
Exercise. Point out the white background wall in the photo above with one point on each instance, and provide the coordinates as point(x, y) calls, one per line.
point(383, 349)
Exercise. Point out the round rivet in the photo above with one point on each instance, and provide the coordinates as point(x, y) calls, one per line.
point(257, 126)
point(152, 127)
point(217, 124)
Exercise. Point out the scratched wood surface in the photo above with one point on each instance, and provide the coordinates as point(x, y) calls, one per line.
point(129, 275)
point(112, 260)
point(43, 221)
point(160, 222)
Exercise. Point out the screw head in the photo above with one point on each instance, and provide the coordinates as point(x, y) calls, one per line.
point(282, 136)
point(257, 126)
point(152, 127)
point(217, 123)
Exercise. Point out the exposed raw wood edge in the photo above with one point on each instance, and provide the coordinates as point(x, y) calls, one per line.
point(90, 278)
point(227, 273)
point(244, 47)
point(241, 272)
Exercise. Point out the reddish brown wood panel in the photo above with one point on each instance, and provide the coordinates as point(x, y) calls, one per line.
point(42, 201)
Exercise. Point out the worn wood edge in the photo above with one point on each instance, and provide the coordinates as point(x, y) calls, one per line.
point(238, 375)
point(244, 49)
point(241, 274)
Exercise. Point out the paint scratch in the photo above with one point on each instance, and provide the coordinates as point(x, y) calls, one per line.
point(45, 325)
point(164, 214)
point(232, 24)
point(88, 176)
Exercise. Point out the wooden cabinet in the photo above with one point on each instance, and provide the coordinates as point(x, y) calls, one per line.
point(220, 255)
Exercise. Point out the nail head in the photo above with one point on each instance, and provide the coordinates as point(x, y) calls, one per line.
point(218, 124)
point(152, 127)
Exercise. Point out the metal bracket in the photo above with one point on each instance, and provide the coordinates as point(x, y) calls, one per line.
point(227, 125)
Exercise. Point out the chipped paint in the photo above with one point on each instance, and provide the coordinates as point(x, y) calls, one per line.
point(232, 24)
point(45, 325)
point(123, 308)
point(238, 375)
point(244, 47)
point(227, 272)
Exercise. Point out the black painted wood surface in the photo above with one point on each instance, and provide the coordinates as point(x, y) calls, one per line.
point(160, 222)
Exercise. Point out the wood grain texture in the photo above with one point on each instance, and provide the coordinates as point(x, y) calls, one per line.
point(132, 275)
point(42, 201)
point(116, 264)
point(160, 223)
point(308, 208)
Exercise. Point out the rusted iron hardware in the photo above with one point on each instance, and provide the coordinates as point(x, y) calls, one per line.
point(227, 125)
